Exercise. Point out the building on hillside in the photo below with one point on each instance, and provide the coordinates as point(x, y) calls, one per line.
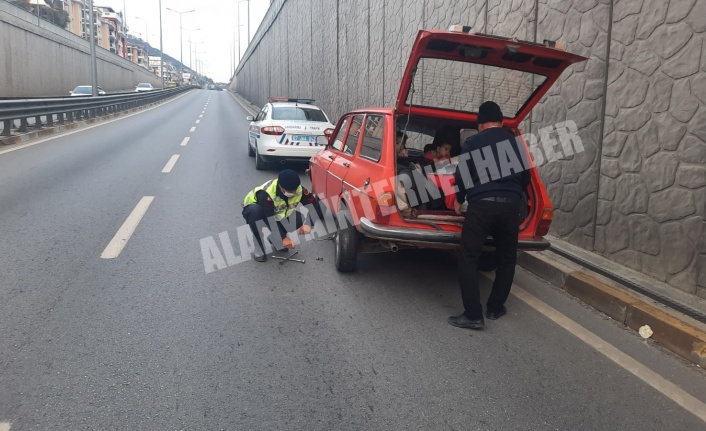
point(76, 10)
point(138, 54)
point(119, 46)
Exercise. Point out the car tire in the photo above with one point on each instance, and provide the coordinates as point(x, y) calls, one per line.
point(251, 153)
point(487, 262)
point(345, 242)
point(260, 164)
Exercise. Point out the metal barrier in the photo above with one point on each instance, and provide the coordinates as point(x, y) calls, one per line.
point(63, 110)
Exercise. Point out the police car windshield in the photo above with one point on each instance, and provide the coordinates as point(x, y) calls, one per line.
point(298, 113)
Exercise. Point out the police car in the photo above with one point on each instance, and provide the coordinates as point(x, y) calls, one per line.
point(287, 130)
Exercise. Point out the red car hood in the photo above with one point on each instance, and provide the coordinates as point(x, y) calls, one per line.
point(452, 73)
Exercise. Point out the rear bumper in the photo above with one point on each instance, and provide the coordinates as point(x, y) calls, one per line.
point(419, 236)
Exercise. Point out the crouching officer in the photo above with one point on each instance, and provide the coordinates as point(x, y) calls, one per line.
point(277, 200)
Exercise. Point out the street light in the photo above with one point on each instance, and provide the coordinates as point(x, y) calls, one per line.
point(94, 66)
point(194, 51)
point(161, 47)
point(181, 41)
point(190, 31)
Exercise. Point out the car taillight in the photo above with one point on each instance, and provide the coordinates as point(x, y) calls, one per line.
point(545, 221)
point(272, 130)
point(328, 132)
point(386, 207)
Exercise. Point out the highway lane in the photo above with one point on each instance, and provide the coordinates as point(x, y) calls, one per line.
point(148, 340)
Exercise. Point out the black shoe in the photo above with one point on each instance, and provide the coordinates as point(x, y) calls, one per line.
point(260, 256)
point(463, 321)
point(494, 315)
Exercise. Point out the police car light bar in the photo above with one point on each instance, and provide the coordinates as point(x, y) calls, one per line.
point(290, 99)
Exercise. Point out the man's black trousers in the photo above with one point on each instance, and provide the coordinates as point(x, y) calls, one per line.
point(485, 218)
point(256, 217)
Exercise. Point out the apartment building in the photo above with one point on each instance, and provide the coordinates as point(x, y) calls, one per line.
point(138, 55)
point(116, 39)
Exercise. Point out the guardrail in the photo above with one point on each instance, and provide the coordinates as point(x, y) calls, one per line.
point(63, 110)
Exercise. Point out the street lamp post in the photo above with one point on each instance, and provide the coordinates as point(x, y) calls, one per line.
point(181, 42)
point(190, 48)
point(161, 47)
point(94, 68)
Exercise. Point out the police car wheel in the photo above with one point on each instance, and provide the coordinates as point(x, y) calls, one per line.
point(251, 153)
point(259, 163)
point(346, 242)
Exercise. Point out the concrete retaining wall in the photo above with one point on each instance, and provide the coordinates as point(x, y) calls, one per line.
point(636, 195)
point(45, 60)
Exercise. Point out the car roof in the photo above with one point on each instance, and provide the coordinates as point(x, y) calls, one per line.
point(284, 104)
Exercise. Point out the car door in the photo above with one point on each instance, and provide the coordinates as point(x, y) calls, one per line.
point(341, 156)
point(366, 177)
point(322, 160)
point(254, 130)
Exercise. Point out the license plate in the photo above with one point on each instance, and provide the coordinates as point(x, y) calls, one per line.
point(304, 138)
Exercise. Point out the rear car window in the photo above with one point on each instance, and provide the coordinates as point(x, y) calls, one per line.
point(458, 86)
point(298, 113)
point(371, 147)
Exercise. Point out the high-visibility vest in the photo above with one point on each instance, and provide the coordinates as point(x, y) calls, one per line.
point(283, 208)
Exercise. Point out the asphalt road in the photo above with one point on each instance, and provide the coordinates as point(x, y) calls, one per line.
point(150, 341)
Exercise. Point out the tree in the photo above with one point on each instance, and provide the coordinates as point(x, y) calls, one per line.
point(51, 10)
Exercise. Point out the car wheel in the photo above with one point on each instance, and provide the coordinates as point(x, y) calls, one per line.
point(487, 262)
point(345, 242)
point(251, 153)
point(259, 163)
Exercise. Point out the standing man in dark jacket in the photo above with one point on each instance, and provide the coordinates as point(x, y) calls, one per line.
point(494, 193)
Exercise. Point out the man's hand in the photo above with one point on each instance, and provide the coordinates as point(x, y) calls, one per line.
point(288, 244)
point(457, 207)
point(305, 229)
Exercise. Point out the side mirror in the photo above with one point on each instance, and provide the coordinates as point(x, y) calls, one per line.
point(250, 118)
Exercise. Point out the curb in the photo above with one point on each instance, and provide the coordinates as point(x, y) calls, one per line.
point(678, 333)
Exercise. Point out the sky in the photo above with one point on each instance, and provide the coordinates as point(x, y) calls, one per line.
point(213, 25)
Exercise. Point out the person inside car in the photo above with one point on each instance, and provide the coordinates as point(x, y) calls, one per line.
point(278, 199)
point(400, 142)
point(440, 153)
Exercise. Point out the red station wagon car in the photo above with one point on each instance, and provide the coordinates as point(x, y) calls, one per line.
point(449, 74)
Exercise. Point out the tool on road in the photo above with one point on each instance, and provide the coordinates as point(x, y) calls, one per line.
point(290, 258)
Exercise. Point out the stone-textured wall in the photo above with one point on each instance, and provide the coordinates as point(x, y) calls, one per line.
point(636, 194)
point(46, 60)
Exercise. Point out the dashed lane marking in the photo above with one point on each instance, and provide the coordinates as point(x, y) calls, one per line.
point(116, 245)
point(170, 164)
point(198, 121)
point(5, 426)
point(192, 129)
point(185, 141)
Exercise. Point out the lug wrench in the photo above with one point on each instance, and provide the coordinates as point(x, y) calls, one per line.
point(290, 258)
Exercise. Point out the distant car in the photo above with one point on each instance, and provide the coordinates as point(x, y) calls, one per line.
point(211, 87)
point(143, 86)
point(287, 130)
point(85, 90)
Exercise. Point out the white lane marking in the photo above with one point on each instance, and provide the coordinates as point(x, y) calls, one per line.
point(201, 116)
point(198, 121)
point(170, 164)
point(5, 426)
point(185, 141)
point(192, 129)
point(116, 245)
point(667, 388)
point(103, 123)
